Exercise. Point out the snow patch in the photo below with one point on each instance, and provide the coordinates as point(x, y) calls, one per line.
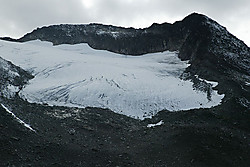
point(212, 83)
point(10, 91)
point(18, 119)
point(154, 125)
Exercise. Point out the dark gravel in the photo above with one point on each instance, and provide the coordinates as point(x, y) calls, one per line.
point(99, 137)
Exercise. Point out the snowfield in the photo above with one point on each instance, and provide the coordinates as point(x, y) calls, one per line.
point(79, 76)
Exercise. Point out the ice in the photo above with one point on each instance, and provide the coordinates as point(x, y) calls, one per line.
point(79, 76)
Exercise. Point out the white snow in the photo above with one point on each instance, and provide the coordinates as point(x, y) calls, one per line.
point(214, 84)
point(154, 125)
point(10, 91)
point(77, 75)
point(18, 119)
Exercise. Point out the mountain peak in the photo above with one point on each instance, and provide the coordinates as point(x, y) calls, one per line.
point(195, 15)
point(195, 18)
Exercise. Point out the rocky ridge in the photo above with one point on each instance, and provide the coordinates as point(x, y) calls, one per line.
point(196, 37)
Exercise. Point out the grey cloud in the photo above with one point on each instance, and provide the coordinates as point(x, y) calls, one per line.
point(28, 14)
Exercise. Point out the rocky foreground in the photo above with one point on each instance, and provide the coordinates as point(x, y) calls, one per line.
point(99, 137)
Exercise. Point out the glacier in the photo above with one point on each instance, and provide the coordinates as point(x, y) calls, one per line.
point(79, 76)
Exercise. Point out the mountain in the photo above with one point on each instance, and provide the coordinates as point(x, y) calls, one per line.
point(212, 51)
point(212, 135)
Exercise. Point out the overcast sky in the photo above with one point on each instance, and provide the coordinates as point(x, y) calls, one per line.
point(18, 17)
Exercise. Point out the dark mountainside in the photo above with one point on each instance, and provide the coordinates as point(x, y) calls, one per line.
point(200, 137)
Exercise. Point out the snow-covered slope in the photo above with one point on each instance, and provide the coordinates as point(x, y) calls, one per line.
point(77, 75)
